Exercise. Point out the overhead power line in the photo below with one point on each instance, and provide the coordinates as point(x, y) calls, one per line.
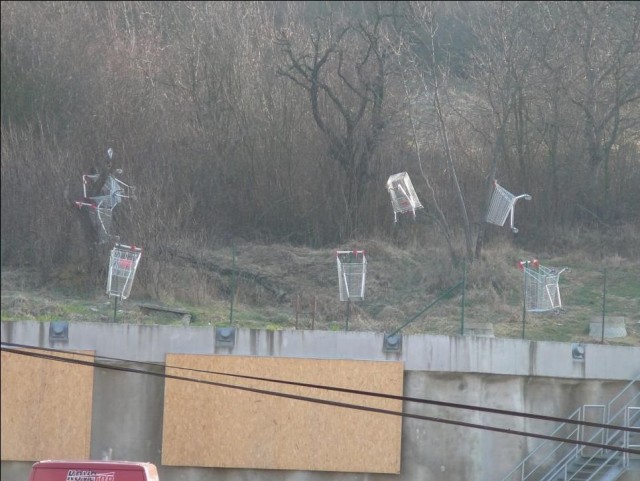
point(20, 350)
point(345, 390)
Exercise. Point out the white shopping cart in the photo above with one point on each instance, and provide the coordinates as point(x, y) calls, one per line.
point(502, 205)
point(541, 286)
point(100, 201)
point(123, 264)
point(403, 196)
point(352, 274)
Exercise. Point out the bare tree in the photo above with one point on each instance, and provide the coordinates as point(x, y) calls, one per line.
point(583, 88)
point(420, 28)
point(343, 68)
point(607, 79)
point(501, 66)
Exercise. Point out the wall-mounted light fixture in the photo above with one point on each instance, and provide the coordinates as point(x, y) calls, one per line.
point(392, 342)
point(577, 351)
point(225, 336)
point(59, 331)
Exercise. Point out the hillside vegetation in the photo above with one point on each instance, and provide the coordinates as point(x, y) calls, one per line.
point(285, 287)
point(280, 122)
point(273, 127)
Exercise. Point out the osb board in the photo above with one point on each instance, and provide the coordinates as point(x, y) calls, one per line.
point(46, 407)
point(214, 426)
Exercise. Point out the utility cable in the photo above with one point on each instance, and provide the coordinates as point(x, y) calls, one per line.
point(351, 391)
point(325, 402)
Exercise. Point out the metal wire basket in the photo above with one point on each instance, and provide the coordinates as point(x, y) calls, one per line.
point(122, 270)
point(352, 274)
point(502, 205)
point(100, 207)
point(541, 286)
point(403, 196)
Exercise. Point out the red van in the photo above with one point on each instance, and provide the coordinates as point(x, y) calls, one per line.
point(93, 471)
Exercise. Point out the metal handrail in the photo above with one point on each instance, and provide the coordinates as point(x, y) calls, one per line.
point(628, 386)
point(596, 455)
point(630, 420)
point(561, 465)
point(520, 467)
point(609, 439)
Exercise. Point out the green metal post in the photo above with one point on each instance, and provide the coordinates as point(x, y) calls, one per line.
point(346, 328)
point(604, 302)
point(233, 282)
point(464, 285)
point(115, 308)
point(524, 296)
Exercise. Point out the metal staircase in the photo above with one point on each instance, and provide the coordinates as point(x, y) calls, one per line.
point(567, 461)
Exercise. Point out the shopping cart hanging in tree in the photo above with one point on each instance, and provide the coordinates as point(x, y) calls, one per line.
point(502, 205)
point(403, 196)
point(541, 286)
point(105, 199)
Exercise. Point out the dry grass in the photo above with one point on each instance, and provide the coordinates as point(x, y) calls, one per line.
point(400, 284)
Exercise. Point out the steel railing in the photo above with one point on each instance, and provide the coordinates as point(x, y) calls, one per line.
point(551, 460)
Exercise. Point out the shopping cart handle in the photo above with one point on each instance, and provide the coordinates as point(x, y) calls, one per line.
point(523, 196)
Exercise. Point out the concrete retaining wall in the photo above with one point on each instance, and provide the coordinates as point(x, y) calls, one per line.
point(510, 374)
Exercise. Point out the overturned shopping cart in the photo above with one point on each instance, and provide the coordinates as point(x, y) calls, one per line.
point(403, 196)
point(502, 205)
point(541, 286)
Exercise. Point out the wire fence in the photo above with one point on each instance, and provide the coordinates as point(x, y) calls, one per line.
point(555, 304)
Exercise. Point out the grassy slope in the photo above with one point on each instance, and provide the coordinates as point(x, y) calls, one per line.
point(400, 284)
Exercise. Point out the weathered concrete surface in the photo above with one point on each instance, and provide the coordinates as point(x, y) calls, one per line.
point(420, 352)
point(613, 327)
point(479, 329)
point(129, 403)
point(522, 376)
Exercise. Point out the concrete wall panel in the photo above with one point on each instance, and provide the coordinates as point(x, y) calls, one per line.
point(511, 374)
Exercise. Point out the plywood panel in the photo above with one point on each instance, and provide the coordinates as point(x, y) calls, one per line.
point(45, 408)
point(223, 427)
